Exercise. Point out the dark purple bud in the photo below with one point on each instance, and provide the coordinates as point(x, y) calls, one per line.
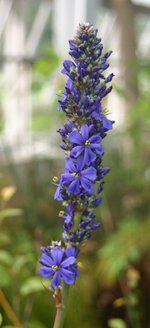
point(98, 201)
point(68, 64)
point(109, 78)
point(108, 90)
point(104, 66)
point(62, 146)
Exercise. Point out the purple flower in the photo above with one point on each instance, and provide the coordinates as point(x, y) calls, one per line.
point(76, 178)
point(59, 265)
point(85, 145)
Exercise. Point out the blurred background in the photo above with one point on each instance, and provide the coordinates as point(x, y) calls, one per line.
point(113, 290)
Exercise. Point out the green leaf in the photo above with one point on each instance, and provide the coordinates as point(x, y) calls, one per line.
point(116, 323)
point(33, 285)
point(5, 278)
point(21, 260)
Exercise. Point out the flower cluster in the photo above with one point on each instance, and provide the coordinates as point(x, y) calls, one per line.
point(81, 183)
point(59, 264)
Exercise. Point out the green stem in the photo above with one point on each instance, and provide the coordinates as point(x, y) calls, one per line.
point(61, 307)
point(77, 220)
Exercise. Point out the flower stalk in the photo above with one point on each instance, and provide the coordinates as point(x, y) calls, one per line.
point(61, 307)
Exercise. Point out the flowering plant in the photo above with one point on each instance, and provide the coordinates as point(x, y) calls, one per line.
point(80, 185)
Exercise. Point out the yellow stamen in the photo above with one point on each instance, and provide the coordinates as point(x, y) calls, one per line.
point(55, 179)
point(75, 174)
point(87, 143)
point(61, 213)
point(55, 267)
point(80, 265)
point(105, 110)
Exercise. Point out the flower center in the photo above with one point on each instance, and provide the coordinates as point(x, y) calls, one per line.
point(75, 174)
point(87, 143)
point(55, 267)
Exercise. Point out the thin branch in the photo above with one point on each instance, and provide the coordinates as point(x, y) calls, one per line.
point(61, 301)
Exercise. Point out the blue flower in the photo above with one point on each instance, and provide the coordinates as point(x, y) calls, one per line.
point(76, 178)
point(68, 216)
point(85, 145)
point(60, 265)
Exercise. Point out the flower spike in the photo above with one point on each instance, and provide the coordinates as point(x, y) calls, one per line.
point(80, 185)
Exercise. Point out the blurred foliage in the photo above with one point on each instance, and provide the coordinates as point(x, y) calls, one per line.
point(124, 246)
point(116, 323)
point(44, 67)
point(31, 10)
point(40, 122)
point(45, 84)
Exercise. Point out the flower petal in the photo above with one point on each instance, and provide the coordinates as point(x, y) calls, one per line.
point(87, 185)
point(56, 281)
point(46, 272)
point(85, 132)
point(74, 187)
point(71, 251)
point(66, 177)
point(76, 151)
point(98, 148)
point(107, 124)
point(95, 139)
point(89, 173)
point(68, 276)
point(70, 165)
point(57, 255)
point(89, 156)
point(79, 163)
point(57, 194)
point(46, 260)
point(76, 137)
point(69, 261)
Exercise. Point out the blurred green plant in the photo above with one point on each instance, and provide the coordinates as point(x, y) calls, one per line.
point(116, 323)
point(18, 258)
point(43, 68)
point(45, 83)
point(125, 246)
